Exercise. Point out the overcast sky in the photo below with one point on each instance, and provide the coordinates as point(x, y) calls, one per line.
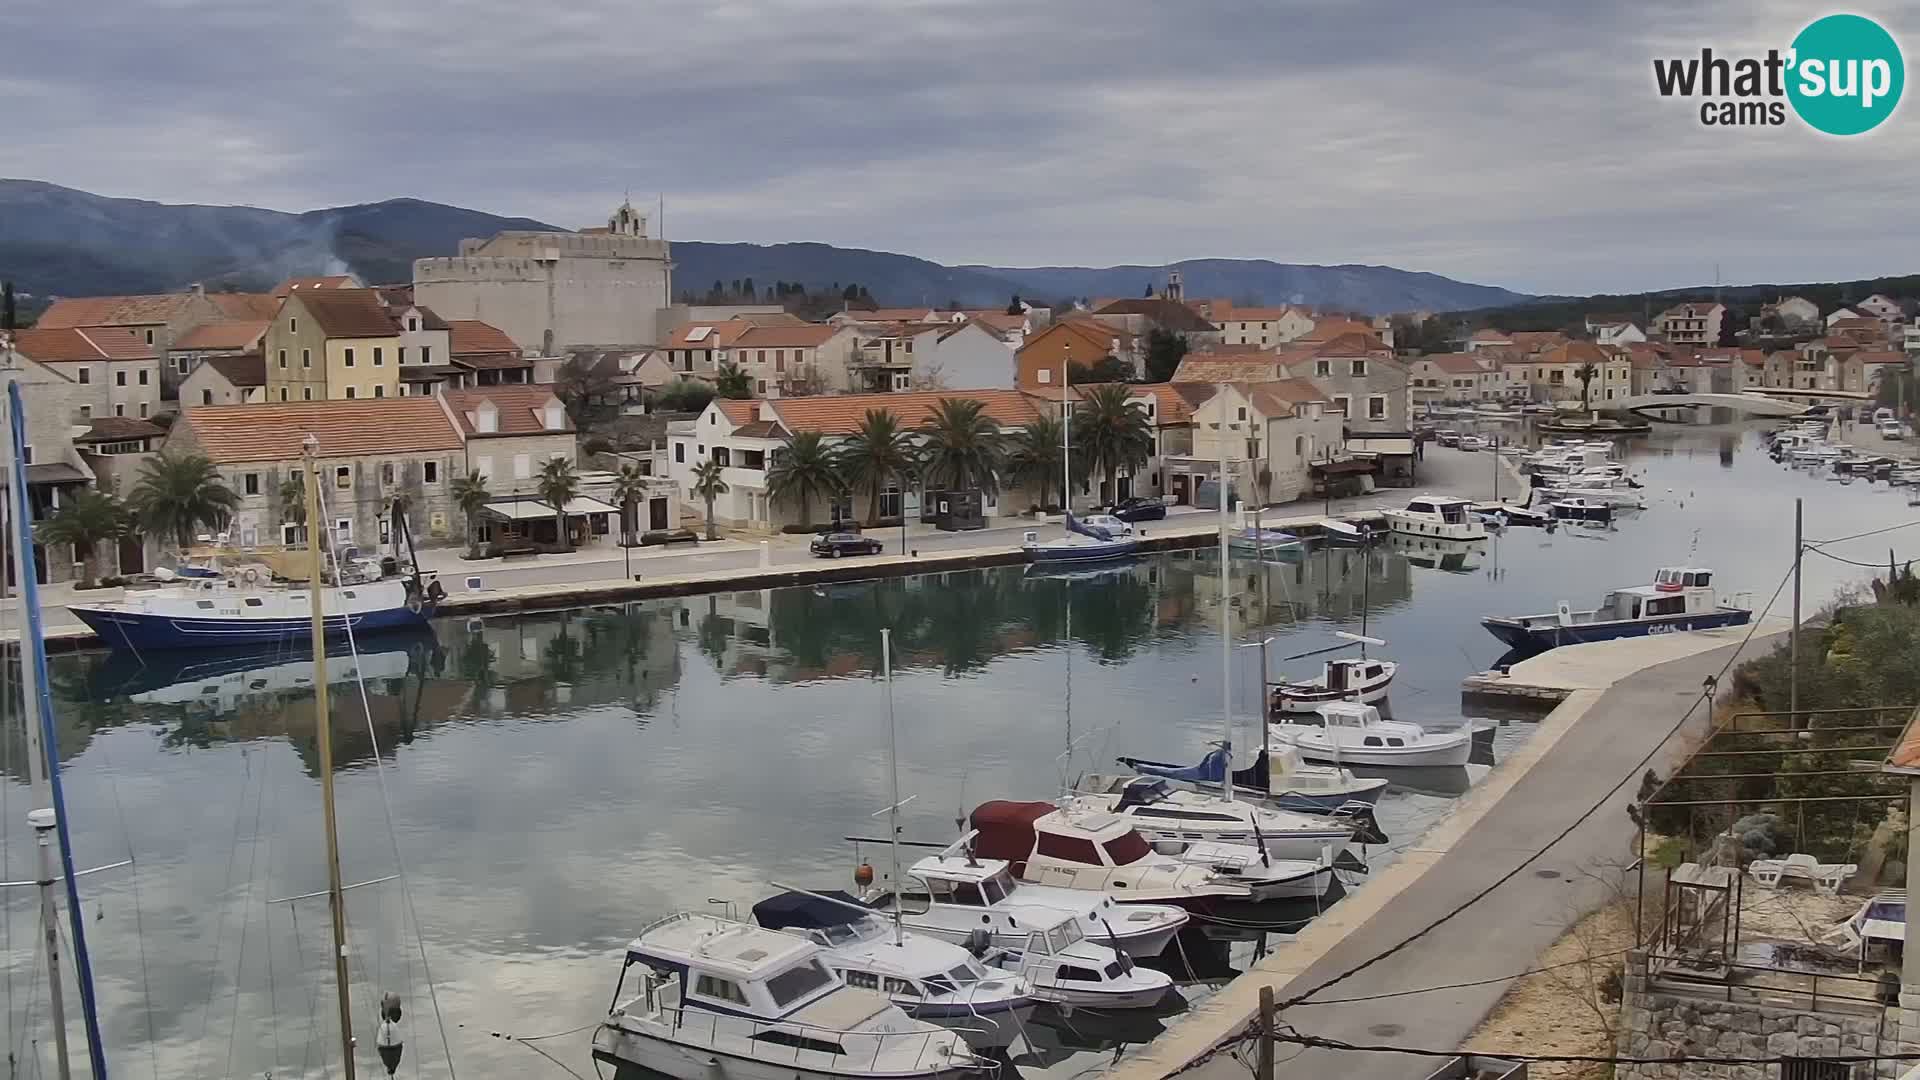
point(1517, 145)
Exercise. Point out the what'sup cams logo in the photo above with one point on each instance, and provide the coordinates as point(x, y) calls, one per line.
point(1842, 75)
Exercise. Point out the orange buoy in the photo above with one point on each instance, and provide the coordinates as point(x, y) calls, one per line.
point(863, 875)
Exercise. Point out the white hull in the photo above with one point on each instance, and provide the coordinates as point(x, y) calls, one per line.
point(1414, 525)
point(653, 1049)
point(1435, 751)
point(1370, 694)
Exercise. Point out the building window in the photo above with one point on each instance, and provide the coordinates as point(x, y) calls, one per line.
point(1323, 368)
point(119, 410)
point(283, 393)
point(379, 391)
point(431, 472)
point(426, 354)
point(26, 454)
point(1243, 412)
point(379, 360)
point(1046, 376)
point(143, 410)
point(413, 322)
point(348, 354)
point(86, 376)
point(401, 356)
point(680, 453)
point(763, 387)
point(386, 472)
point(143, 376)
point(283, 359)
point(306, 358)
point(86, 412)
point(306, 393)
point(149, 337)
point(1340, 404)
point(1377, 407)
point(206, 397)
point(349, 393)
point(343, 476)
point(119, 378)
point(1359, 369)
point(343, 528)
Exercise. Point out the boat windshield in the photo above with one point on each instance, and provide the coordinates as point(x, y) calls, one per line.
point(843, 933)
point(998, 887)
point(798, 982)
point(1128, 847)
point(1064, 936)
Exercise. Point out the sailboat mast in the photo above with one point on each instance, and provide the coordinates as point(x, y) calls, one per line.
point(1226, 614)
point(36, 756)
point(323, 736)
point(1066, 439)
point(893, 770)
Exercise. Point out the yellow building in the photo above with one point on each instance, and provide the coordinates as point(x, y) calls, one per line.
point(333, 344)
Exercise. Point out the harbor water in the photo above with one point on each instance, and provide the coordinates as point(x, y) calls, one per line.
point(546, 784)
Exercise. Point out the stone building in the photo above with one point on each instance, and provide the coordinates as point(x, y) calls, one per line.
point(113, 370)
point(371, 451)
point(551, 291)
point(332, 344)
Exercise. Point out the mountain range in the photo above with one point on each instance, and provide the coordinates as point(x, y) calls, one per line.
point(63, 242)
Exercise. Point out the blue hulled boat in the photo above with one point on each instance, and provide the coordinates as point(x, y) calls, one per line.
point(1680, 598)
point(1083, 543)
point(209, 613)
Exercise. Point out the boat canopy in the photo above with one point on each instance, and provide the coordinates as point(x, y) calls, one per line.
point(804, 911)
point(1143, 792)
point(1006, 829)
point(1212, 769)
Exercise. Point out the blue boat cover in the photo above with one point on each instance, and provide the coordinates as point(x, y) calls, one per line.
point(1211, 770)
point(807, 912)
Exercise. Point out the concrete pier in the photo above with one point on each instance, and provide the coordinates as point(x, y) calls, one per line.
point(1620, 702)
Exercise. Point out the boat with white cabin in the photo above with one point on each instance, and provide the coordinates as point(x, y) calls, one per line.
point(1162, 812)
point(723, 998)
point(1342, 679)
point(1437, 516)
point(1355, 734)
point(927, 978)
point(959, 892)
point(1680, 598)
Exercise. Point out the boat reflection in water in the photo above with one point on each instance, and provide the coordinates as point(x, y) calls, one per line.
point(1452, 556)
point(222, 680)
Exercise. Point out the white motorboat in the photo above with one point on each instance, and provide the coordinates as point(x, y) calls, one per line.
point(1354, 734)
point(1346, 679)
point(719, 997)
point(1104, 852)
point(963, 892)
point(929, 979)
point(1621, 498)
point(1278, 775)
point(1587, 510)
point(1680, 598)
point(1162, 812)
point(1438, 517)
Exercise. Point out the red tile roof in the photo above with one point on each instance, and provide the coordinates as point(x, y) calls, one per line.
point(761, 429)
point(474, 336)
point(111, 311)
point(232, 434)
point(797, 336)
point(1879, 357)
point(228, 335)
point(1171, 405)
point(1227, 367)
point(246, 307)
point(739, 412)
point(310, 284)
point(1170, 314)
point(1573, 352)
point(521, 407)
point(348, 313)
point(892, 314)
point(840, 414)
point(1455, 363)
point(82, 344)
point(1330, 328)
point(119, 429)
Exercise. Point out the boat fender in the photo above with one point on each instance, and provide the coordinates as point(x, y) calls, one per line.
point(413, 604)
point(436, 592)
point(979, 940)
point(250, 575)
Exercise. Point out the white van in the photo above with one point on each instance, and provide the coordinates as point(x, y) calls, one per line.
point(1882, 415)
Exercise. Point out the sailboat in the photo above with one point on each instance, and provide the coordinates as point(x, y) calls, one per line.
point(1084, 542)
point(43, 750)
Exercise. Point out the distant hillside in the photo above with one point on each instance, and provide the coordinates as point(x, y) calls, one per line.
point(65, 242)
point(56, 240)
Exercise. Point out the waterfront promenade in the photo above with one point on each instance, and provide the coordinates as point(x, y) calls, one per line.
point(1623, 702)
point(565, 579)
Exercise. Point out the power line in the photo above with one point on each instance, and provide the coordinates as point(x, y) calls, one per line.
point(1859, 536)
point(1478, 982)
point(1853, 562)
point(1630, 775)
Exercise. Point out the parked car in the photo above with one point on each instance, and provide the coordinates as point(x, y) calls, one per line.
point(1882, 415)
point(835, 544)
point(1447, 437)
point(1140, 508)
point(1108, 522)
point(1891, 429)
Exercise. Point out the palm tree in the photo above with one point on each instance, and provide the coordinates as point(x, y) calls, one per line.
point(1585, 373)
point(707, 484)
point(963, 448)
point(804, 469)
point(1112, 434)
point(878, 451)
point(731, 382)
point(470, 494)
point(629, 486)
point(177, 495)
point(558, 486)
point(1034, 453)
point(86, 521)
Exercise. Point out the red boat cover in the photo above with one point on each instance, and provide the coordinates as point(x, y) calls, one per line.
point(1006, 830)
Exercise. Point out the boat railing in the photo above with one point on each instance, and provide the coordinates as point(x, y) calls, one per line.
point(744, 1034)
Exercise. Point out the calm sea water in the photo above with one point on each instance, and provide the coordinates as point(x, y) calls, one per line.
point(558, 780)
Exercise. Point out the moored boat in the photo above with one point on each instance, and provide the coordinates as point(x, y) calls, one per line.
point(1279, 776)
point(1680, 598)
point(1362, 679)
point(209, 613)
point(1437, 517)
point(1349, 732)
point(1579, 509)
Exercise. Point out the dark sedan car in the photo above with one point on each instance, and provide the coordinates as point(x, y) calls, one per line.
point(1140, 509)
point(834, 545)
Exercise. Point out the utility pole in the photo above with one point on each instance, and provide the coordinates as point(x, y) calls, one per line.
point(1793, 636)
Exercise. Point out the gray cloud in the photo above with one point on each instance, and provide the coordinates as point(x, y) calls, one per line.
point(1521, 146)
